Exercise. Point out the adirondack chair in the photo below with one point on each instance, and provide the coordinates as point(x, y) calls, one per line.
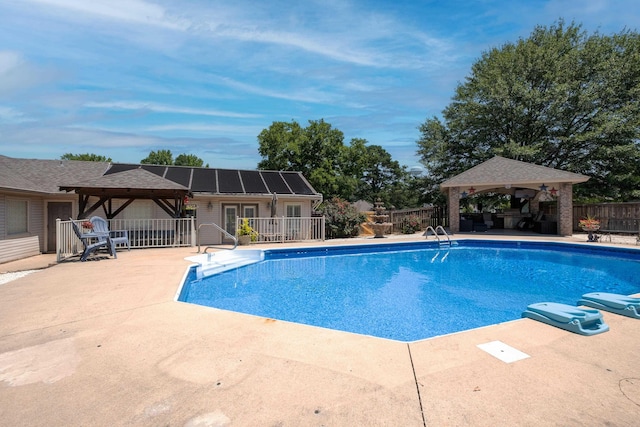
point(118, 237)
point(91, 242)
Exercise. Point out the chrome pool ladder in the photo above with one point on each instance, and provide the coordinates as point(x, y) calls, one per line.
point(435, 233)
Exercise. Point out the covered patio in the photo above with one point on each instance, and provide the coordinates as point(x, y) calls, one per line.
point(517, 179)
point(129, 185)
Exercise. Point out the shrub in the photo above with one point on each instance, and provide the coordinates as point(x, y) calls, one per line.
point(246, 230)
point(410, 224)
point(342, 219)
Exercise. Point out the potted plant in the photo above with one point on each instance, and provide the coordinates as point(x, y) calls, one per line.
point(246, 234)
point(589, 224)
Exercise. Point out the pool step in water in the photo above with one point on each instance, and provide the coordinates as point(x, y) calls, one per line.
point(217, 262)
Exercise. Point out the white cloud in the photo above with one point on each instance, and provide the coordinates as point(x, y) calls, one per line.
point(132, 11)
point(160, 108)
point(17, 74)
point(342, 33)
point(9, 61)
point(208, 128)
point(308, 94)
point(10, 115)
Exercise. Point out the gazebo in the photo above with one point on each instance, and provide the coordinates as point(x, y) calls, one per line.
point(129, 185)
point(515, 178)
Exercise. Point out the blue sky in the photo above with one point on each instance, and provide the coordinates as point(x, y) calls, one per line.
point(123, 77)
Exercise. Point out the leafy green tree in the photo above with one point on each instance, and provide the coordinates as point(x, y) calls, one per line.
point(317, 151)
point(380, 174)
point(560, 98)
point(85, 157)
point(280, 146)
point(189, 160)
point(160, 157)
point(353, 172)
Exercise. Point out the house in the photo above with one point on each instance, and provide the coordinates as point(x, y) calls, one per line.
point(35, 193)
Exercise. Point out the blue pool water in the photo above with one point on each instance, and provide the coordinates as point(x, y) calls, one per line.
point(412, 291)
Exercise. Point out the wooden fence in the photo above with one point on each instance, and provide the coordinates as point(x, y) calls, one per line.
point(427, 216)
point(606, 212)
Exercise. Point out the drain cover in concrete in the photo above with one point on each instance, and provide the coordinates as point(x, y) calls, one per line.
point(502, 351)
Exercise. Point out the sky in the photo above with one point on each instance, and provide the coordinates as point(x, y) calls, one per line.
point(121, 78)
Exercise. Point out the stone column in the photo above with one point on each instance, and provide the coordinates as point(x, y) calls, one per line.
point(454, 209)
point(565, 209)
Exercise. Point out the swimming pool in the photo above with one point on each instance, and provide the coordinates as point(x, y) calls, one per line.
point(412, 291)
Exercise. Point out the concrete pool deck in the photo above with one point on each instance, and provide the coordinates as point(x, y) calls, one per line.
point(103, 343)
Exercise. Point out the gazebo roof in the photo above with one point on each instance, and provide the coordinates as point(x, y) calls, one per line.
point(503, 172)
point(138, 182)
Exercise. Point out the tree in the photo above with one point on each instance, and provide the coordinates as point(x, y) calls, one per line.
point(381, 177)
point(160, 157)
point(317, 151)
point(164, 157)
point(189, 160)
point(353, 172)
point(561, 98)
point(85, 157)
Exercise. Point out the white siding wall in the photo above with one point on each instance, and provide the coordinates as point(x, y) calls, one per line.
point(3, 215)
point(24, 244)
point(208, 235)
point(13, 249)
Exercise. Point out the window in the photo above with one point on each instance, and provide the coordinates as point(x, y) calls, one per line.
point(17, 216)
point(249, 211)
point(294, 211)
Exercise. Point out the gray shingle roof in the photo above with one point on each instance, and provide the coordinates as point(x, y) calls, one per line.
point(45, 176)
point(500, 171)
point(53, 176)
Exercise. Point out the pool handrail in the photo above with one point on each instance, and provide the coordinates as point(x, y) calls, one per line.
point(435, 233)
point(213, 224)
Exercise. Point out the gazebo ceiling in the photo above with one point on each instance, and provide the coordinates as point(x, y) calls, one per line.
point(503, 173)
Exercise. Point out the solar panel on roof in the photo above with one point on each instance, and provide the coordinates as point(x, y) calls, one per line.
point(229, 181)
point(204, 180)
point(120, 167)
point(253, 182)
point(275, 183)
point(180, 175)
point(155, 169)
point(297, 184)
